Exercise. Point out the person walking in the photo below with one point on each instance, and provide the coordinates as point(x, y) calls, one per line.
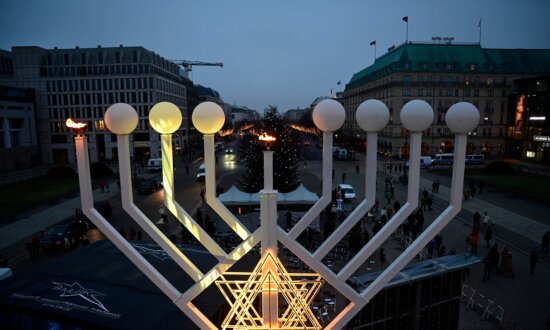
point(477, 219)
point(163, 215)
point(488, 267)
point(202, 193)
point(488, 236)
point(533, 259)
point(382, 254)
point(473, 242)
point(485, 219)
point(288, 216)
point(388, 196)
point(544, 242)
point(357, 168)
point(339, 200)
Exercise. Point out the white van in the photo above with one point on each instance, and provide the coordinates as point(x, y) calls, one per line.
point(341, 154)
point(474, 159)
point(201, 176)
point(154, 164)
point(425, 162)
point(443, 159)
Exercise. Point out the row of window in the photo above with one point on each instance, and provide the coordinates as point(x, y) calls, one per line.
point(110, 84)
point(113, 84)
point(447, 92)
point(99, 98)
point(73, 71)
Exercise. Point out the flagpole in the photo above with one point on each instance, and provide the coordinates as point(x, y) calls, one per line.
point(407, 37)
point(375, 51)
point(479, 25)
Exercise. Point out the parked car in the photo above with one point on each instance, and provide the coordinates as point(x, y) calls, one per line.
point(474, 159)
point(55, 236)
point(201, 176)
point(425, 162)
point(348, 193)
point(147, 186)
point(154, 164)
point(443, 159)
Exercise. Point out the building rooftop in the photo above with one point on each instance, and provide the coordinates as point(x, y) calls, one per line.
point(454, 58)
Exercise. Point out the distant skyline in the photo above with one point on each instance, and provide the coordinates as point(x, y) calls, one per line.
point(283, 53)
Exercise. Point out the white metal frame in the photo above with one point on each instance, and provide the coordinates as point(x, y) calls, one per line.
point(269, 234)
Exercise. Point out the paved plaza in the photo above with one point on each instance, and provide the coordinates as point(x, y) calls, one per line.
point(519, 225)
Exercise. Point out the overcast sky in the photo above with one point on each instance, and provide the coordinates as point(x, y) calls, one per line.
point(285, 53)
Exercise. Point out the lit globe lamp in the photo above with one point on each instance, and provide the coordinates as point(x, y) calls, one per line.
point(121, 118)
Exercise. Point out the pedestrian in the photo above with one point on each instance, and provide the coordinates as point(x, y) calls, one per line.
point(488, 262)
point(339, 200)
point(388, 196)
point(436, 186)
point(433, 187)
point(533, 259)
point(477, 219)
point(431, 246)
point(481, 185)
point(488, 236)
point(506, 261)
point(473, 242)
point(438, 241)
point(122, 232)
point(328, 228)
point(333, 211)
point(163, 215)
point(202, 193)
point(382, 258)
point(392, 190)
point(396, 206)
point(35, 246)
point(199, 218)
point(384, 214)
point(400, 168)
point(357, 169)
point(288, 216)
point(485, 219)
point(133, 233)
point(343, 177)
point(102, 185)
point(544, 242)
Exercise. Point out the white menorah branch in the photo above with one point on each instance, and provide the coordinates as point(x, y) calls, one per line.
point(329, 115)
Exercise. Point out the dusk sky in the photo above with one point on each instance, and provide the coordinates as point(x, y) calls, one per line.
point(285, 53)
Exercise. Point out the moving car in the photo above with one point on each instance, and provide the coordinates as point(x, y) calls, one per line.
point(229, 150)
point(146, 186)
point(348, 192)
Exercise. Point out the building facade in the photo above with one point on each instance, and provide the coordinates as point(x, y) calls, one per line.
point(442, 75)
point(529, 120)
point(19, 147)
point(81, 83)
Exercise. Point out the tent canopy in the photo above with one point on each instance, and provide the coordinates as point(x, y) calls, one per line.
point(301, 195)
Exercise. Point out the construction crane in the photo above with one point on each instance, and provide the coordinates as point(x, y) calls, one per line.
point(188, 65)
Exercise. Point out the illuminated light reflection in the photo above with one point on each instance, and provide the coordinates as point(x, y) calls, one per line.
point(310, 130)
point(243, 289)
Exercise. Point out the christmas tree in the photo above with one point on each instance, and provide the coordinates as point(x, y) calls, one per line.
point(285, 155)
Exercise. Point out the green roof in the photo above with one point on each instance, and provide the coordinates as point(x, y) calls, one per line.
point(454, 58)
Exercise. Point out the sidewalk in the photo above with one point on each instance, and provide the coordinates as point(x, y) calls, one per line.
point(20, 229)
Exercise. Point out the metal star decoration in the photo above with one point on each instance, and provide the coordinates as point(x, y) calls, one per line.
point(243, 291)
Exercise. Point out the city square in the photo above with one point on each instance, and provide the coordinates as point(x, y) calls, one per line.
point(413, 196)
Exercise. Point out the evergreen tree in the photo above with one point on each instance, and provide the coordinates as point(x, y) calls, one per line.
point(286, 176)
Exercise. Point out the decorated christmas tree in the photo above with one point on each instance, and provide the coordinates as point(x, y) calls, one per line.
point(285, 157)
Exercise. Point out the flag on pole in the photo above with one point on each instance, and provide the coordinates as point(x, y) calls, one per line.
point(406, 19)
point(330, 92)
point(338, 83)
point(373, 43)
point(479, 24)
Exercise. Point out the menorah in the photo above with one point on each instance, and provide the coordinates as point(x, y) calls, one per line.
point(269, 279)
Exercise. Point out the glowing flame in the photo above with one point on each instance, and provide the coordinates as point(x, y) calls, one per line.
point(226, 132)
point(77, 127)
point(310, 130)
point(266, 138)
